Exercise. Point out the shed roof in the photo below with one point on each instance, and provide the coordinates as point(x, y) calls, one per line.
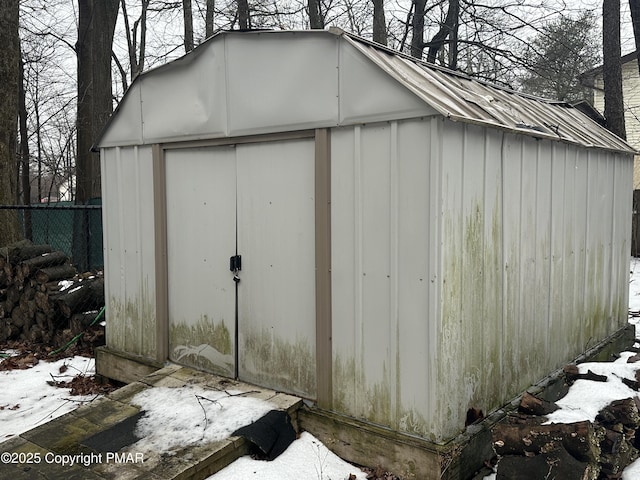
point(239, 83)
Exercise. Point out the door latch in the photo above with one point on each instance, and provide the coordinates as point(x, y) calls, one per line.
point(235, 265)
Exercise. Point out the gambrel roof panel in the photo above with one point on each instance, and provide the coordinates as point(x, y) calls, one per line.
point(240, 83)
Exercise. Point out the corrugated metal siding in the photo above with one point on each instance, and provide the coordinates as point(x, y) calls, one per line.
point(468, 263)
point(384, 273)
point(539, 247)
point(463, 99)
point(313, 79)
point(127, 195)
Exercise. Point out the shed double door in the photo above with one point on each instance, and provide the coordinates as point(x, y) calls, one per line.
point(254, 201)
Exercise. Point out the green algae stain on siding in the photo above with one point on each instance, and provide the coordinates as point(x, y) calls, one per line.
point(278, 363)
point(131, 323)
point(204, 330)
point(469, 350)
point(357, 396)
point(206, 345)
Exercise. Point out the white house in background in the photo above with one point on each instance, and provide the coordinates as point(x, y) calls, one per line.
point(631, 93)
point(397, 243)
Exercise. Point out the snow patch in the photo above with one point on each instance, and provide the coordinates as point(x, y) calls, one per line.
point(305, 458)
point(179, 417)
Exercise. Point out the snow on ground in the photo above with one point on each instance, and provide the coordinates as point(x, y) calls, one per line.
point(26, 400)
point(586, 398)
point(305, 458)
point(203, 416)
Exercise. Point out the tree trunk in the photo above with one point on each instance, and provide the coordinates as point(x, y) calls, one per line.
point(188, 25)
point(9, 77)
point(379, 22)
point(208, 18)
point(417, 38)
point(244, 17)
point(96, 24)
point(612, 68)
point(634, 6)
point(315, 15)
point(448, 29)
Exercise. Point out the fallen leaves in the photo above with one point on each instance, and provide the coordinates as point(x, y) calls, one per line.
point(19, 362)
point(84, 385)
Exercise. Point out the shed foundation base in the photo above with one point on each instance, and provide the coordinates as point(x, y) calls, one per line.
point(123, 367)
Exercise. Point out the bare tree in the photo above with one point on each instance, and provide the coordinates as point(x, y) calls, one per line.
point(9, 76)
point(96, 24)
point(612, 67)
point(209, 15)
point(379, 22)
point(244, 15)
point(448, 29)
point(316, 21)
point(558, 54)
point(136, 58)
point(417, 38)
point(188, 25)
point(634, 6)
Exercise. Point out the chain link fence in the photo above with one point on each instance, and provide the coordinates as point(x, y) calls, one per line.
point(74, 229)
point(51, 282)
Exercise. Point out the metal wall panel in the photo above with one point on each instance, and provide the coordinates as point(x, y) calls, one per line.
point(127, 197)
point(128, 129)
point(382, 277)
point(276, 238)
point(380, 100)
point(560, 257)
point(188, 102)
point(201, 236)
point(518, 242)
point(281, 83)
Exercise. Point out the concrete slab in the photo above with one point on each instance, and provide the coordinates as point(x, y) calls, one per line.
point(106, 412)
point(116, 437)
point(100, 437)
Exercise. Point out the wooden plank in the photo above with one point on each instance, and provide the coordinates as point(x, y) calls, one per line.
point(369, 445)
point(121, 367)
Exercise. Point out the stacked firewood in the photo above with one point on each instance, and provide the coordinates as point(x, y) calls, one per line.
point(43, 299)
point(529, 448)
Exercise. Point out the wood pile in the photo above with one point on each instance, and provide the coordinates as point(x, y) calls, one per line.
point(43, 299)
point(527, 448)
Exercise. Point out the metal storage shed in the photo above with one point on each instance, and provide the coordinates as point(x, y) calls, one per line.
point(413, 243)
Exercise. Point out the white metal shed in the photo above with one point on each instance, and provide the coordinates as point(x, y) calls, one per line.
point(413, 243)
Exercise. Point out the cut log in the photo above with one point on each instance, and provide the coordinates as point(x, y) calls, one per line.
point(45, 260)
point(18, 317)
point(46, 275)
point(572, 374)
point(35, 334)
point(19, 253)
point(557, 464)
point(579, 439)
point(8, 252)
point(13, 293)
point(81, 297)
point(6, 275)
point(623, 412)
point(80, 321)
point(42, 302)
point(536, 406)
